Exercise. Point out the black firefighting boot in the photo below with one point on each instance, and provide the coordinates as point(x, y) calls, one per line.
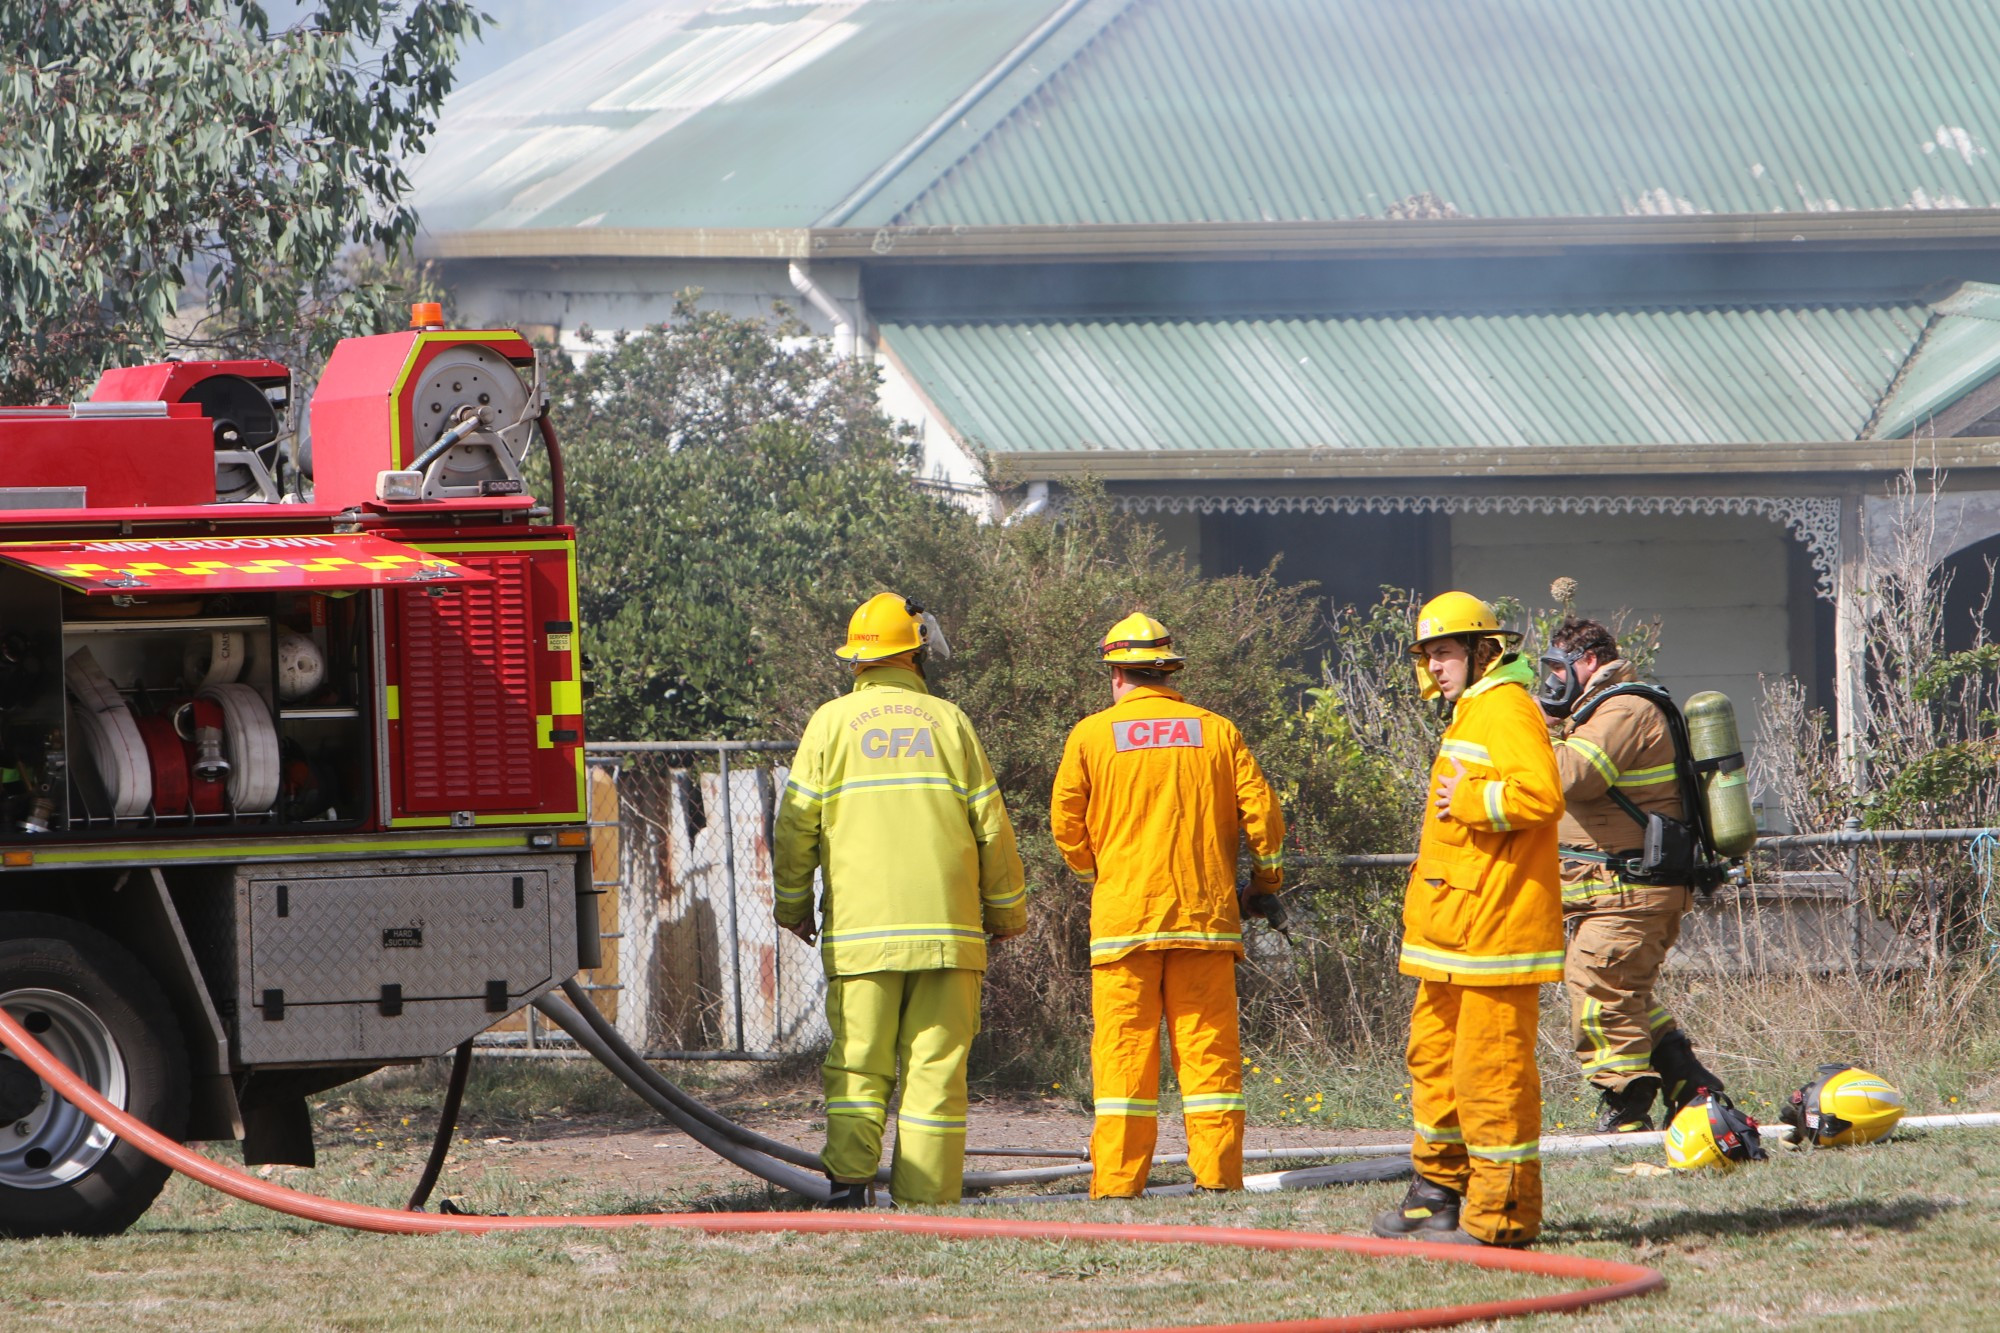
point(850, 1194)
point(1425, 1212)
point(1627, 1110)
point(1682, 1077)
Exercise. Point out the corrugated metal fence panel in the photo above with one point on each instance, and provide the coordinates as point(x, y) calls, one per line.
point(1609, 378)
point(1292, 110)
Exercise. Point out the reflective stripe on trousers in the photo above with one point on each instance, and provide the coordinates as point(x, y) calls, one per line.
point(1195, 991)
point(1477, 1099)
point(926, 1022)
point(1621, 938)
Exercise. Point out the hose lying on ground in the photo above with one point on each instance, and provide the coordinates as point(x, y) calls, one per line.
point(1616, 1281)
point(629, 1064)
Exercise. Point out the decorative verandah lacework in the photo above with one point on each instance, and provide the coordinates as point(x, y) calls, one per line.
point(1812, 519)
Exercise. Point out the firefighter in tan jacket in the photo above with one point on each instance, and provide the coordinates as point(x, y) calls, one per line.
point(1482, 930)
point(1621, 928)
point(892, 801)
point(1151, 802)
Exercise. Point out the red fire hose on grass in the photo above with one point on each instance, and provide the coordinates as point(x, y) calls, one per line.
point(1614, 1281)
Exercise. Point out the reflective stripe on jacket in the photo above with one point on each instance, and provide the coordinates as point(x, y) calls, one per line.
point(1484, 903)
point(892, 801)
point(1623, 745)
point(1149, 805)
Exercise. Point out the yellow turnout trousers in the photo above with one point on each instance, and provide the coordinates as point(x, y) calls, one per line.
point(1195, 989)
point(925, 1022)
point(1477, 1099)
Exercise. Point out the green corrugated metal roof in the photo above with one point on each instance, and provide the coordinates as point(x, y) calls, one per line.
point(1275, 110)
point(701, 113)
point(1673, 377)
point(1959, 352)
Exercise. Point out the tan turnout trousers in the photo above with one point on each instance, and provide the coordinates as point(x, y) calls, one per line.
point(1620, 937)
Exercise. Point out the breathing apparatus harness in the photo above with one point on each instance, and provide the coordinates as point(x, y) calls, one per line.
point(1673, 852)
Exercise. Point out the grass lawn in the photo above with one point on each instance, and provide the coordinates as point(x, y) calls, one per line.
point(1901, 1235)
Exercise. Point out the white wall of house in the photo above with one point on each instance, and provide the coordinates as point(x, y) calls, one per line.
point(1717, 584)
point(612, 294)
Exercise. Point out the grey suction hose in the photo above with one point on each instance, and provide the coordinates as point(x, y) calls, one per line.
point(766, 1157)
point(630, 1064)
point(673, 1092)
point(763, 1165)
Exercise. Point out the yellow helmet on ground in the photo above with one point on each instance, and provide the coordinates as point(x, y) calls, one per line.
point(1710, 1131)
point(1843, 1105)
point(1450, 615)
point(889, 625)
point(1140, 641)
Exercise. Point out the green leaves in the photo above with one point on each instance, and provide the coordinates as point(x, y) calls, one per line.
point(713, 469)
point(141, 143)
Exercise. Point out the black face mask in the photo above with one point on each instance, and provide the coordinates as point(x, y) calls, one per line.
point(1561, 687)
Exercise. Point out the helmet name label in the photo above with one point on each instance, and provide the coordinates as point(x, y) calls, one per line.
point(1157, 733)
point(898, 743)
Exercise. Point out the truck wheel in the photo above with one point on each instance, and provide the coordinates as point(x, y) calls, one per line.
point(95, 1007)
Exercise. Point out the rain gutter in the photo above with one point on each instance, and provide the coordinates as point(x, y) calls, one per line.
point(1440, 237)
point(1419, 461)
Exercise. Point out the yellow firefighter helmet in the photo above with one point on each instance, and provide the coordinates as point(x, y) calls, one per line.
point(1450, 615)
point(886, 625)
point(1843, 1105)
point(1710, 1131)
point(1141, 641)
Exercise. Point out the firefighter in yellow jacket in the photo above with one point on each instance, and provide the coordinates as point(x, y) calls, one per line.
point(1149, 806)
point(1618, 766)
point(1482, 930)
point(892, 801)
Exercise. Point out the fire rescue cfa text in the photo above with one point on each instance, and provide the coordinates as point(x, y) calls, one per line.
point(912, 742)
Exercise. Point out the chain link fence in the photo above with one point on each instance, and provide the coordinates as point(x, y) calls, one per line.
point(695, 966)
point(1853, 900)
point(699, 966)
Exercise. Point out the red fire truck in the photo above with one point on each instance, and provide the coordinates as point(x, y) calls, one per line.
point(293, 775)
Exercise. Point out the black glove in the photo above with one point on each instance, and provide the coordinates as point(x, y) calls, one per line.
point(1268, 906)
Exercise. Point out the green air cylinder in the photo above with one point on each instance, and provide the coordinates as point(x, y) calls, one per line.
point(1725, 786)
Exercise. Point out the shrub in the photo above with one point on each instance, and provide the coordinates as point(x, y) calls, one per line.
point(1024, 607)
point(713, 463)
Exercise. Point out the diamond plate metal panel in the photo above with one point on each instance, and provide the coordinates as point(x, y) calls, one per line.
point(334, 1033)
point(435, 935)
point(327, 953)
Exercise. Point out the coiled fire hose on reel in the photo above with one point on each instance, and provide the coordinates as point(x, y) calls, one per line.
point(1611, 1281)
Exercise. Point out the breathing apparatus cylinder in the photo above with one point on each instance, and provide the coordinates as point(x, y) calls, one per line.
point(1725, 784)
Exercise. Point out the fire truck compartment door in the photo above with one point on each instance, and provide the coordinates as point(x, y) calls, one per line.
point(323, 562)
point(434, 934)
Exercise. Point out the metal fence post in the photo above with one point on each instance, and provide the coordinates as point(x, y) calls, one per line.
point(729, 877)
point(1854, 919)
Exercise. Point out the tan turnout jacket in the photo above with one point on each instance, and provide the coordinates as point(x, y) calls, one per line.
point(1624, 745)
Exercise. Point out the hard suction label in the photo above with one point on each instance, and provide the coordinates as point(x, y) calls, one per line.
point(403, 937)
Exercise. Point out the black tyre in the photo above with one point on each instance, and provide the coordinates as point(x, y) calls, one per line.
point(95, 1007)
